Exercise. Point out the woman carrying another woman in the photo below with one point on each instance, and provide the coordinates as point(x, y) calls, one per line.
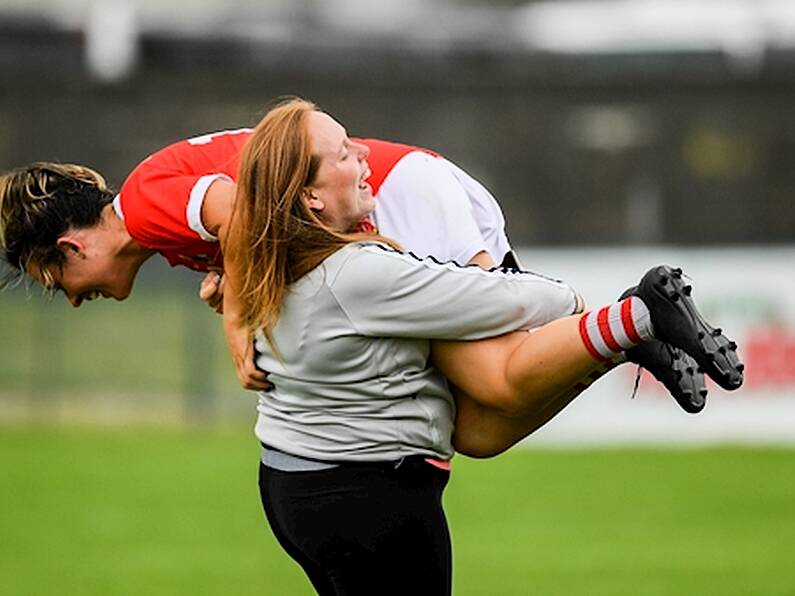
point(358, 426)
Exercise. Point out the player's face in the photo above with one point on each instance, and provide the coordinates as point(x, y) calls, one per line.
point(339, 195)
point(85, 275)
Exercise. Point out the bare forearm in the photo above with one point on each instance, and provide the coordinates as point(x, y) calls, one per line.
point(239, 337)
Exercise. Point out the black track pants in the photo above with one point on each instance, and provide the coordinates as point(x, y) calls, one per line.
point(364, 529)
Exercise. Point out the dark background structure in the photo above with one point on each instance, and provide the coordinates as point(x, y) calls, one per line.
point(682, 147)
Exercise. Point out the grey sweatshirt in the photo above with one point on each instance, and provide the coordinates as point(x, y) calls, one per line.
point(354, 382)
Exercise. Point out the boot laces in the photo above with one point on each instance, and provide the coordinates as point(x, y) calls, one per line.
point(637, 382)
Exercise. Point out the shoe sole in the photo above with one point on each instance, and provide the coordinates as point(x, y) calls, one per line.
point(676, 370)
point(694, 397)
point(663, 289)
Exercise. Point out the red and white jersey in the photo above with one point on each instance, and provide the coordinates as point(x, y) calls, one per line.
point(431, 207)
point(423, 201)
point(161, 200)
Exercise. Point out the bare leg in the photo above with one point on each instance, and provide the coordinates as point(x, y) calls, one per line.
point(517, 372)
point(532, 377)
point(482, 432)
point(509, 386)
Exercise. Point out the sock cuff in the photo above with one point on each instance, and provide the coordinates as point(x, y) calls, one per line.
point(610, 330)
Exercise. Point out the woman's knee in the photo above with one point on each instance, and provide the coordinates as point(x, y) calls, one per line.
point(479, 447)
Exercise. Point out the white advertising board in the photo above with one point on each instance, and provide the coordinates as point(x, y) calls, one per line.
point(749, 292)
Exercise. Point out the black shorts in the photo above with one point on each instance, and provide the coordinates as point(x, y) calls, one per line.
point(364, 529)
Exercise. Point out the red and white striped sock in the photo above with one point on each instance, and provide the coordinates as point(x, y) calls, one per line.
point(611, 330)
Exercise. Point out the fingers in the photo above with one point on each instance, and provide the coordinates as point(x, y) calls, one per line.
point(254, 380)
point(251, 377)
point(211, 291)
point(219, 305)
point(241, 349)
point(210, 286)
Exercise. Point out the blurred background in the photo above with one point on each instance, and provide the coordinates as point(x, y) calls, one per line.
point(611, 132)
point(615, 134)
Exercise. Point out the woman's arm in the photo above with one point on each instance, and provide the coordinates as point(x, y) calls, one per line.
point(386, 293)
point(216, 210)
point(216, 215)
point(240, 342)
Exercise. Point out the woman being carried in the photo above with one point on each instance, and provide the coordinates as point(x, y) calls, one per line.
point(359, 423)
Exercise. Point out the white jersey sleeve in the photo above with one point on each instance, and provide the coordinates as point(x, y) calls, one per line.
point(385, 293)
point(433, 208)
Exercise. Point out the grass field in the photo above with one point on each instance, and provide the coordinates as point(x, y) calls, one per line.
point(159, 512)
point(176, 512)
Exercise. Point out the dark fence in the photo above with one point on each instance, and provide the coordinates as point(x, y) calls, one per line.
point(661, 148)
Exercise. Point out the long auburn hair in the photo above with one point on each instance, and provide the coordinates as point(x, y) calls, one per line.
point(274, 238)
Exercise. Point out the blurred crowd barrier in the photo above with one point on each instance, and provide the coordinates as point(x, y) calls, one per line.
point(159, 358)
